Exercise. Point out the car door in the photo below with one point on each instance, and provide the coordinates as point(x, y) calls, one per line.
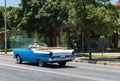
point(25, 55)
point(31, 57)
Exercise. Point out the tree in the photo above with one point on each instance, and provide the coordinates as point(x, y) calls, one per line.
point(43, 17)
point(95, 16)
point(1, 20)
point(12, 20)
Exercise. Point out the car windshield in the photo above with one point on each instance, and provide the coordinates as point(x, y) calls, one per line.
point(37, 45)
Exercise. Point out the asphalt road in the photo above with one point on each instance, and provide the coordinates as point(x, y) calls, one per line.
point(10, 71)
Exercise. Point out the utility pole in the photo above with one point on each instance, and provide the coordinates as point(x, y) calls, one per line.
point(5, 22)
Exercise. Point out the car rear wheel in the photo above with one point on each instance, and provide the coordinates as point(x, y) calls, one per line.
point(18, 60)
point(41, 63)
point(62, 63)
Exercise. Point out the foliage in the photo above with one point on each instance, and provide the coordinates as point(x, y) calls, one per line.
point(12, 18)
point(42, 16)
point(1, 20)
point(95, 17)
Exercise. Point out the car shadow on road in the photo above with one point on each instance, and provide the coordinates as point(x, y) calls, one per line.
point(52, 66)
point(56, 66)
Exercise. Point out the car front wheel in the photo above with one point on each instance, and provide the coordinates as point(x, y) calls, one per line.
point(18, 60)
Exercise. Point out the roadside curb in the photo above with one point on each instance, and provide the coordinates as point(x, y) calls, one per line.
point(97, 62)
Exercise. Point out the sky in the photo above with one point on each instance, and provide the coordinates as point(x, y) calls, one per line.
point(16, 2)
point(10, 2)
point(113, 1)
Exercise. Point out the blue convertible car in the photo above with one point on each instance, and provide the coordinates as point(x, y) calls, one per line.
point(41, 54)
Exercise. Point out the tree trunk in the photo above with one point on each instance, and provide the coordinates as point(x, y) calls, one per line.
point(89, 47)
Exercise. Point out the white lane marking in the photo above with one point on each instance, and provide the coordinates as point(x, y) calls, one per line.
point(56, 72)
